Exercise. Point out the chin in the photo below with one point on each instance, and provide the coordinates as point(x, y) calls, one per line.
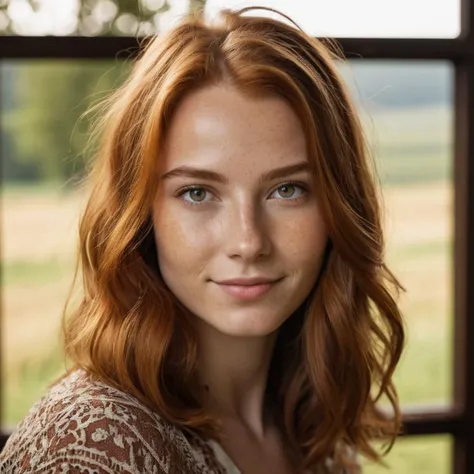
point(247, 326)
point(244, 332)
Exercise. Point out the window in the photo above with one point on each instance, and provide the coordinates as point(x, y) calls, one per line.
point(416, 96)
point(92, 18)
point(417, 455)
point(407, 110)
point(366, 18)
point(42, 163)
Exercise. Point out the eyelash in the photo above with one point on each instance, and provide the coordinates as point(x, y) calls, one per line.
point(186, 189)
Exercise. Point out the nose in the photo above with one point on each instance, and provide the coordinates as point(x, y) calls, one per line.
point(247, 237)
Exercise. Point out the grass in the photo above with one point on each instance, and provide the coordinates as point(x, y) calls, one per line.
point(416, 455)
point(414, 147)
point(422, 249)
point(424, 366)
point(14, 189)
point(402, 167)
point(29, 383)
point(424, 374)
point(30, 273)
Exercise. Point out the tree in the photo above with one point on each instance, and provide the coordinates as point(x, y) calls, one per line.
point(46, 124)
point(90, 17)
point(43, 123)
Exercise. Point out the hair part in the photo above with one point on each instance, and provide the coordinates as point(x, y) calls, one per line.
point(335, 357)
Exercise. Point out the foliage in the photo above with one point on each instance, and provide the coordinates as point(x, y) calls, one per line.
point(94, 17)
point(43, 135)
point(45, 123)
point(91, 17)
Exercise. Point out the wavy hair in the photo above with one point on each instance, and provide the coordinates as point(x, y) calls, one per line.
point(334, 358)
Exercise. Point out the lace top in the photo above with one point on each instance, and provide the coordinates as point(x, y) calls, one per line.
point(85, 426)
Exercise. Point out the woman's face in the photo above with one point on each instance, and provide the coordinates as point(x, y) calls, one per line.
point(235, 202)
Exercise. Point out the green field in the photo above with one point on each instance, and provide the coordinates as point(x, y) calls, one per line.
point(38, 239)
point(423, 376)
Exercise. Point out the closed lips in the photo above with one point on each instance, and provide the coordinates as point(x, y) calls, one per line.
point(247, 281)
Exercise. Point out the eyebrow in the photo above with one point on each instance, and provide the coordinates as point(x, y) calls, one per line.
point(198, 173)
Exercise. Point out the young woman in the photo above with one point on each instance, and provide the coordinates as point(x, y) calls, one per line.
point(237, 314)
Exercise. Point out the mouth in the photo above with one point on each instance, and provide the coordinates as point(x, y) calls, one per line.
point(246, 290)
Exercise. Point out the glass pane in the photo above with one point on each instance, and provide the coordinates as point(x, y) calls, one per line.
point(361, 18)
point(365, 18)
point(408, 112)
point(91, 18)
point(417, 455)
point(42, 143)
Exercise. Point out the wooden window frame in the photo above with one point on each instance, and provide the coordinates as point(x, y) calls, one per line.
point(457, 419)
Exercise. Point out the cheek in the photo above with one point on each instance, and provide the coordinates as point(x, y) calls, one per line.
point(182, 242)
point(304, 240)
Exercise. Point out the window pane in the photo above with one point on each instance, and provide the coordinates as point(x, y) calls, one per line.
point(408, 113)
point(417, 455)
point(340, 18)
point(365, 18)
point(407, 110)
point(42, 143)
point(91, 18)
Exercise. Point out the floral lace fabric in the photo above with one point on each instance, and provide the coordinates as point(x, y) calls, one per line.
point(85, 426)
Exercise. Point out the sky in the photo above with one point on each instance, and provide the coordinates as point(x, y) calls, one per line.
point(338, 18)
point(370, 18)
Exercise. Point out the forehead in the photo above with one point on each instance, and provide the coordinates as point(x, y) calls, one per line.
point(218, 124)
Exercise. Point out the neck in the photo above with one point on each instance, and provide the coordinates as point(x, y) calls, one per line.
point(234, 371)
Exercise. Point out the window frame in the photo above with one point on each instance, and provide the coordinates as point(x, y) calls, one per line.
point(457, 419)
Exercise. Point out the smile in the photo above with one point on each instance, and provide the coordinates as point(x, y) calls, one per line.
point(247, 292)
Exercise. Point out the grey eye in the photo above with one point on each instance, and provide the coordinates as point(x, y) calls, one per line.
point(197, 194)
point(287, 190)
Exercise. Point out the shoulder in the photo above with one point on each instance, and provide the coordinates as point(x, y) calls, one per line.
point(83, 423)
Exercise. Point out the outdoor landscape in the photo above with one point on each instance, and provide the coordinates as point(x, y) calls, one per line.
point(40, 205)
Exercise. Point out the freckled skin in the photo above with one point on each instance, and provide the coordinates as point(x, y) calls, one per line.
point(244, 228)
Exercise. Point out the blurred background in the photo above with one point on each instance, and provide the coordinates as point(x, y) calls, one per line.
point(407, 109)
